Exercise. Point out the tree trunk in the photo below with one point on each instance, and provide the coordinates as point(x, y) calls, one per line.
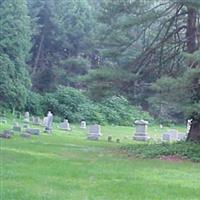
point(194, 133)
point(192, 46)
point(191, 34)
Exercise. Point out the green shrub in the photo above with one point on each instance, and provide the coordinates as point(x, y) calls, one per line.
point(184, 149)
point(117, 110)
point(72, 104)
point(34, 103)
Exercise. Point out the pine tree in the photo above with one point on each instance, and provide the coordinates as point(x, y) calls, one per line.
point(14, 52)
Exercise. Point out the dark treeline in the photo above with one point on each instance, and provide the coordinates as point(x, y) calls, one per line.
point(144, 51)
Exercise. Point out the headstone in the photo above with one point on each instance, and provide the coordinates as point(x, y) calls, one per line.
point(17, 127)
point(65, 125)
point(83, 125)
point(26, 117)
point(48, 127)
point(170, 136)
point(141, 130)
point(33, 131)
point(181, 137)
point(25, 135)
point(94, 132)
point(36, 120)
point(6, 134)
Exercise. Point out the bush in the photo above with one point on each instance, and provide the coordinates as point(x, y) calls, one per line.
point(72, 104)
point(117, 110)
point(184, 149)
point(34, 103)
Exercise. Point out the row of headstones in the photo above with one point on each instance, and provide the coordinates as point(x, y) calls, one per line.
point(141, 133)
point(94, 130)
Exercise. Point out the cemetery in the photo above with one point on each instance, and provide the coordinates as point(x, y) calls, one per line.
point(79, 161)
point(99, 100)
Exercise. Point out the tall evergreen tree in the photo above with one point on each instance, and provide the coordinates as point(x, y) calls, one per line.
point(14, 51)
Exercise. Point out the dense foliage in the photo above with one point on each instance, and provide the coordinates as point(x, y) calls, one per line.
point(144, 51)
point(75, 106)
point(184, 150)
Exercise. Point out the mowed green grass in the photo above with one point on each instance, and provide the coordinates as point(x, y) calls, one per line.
point(65, 166)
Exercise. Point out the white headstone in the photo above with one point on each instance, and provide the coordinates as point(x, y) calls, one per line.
point(94, 132)
point(65, 125)
point(83, 125)
point(170, 136)
point(48, 127)
point(141, 130)
point(26, 117)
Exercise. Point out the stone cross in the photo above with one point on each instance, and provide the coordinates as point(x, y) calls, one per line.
point(94, 132)
point(141, 130)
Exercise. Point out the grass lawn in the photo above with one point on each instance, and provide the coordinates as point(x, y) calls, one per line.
point(66, 166)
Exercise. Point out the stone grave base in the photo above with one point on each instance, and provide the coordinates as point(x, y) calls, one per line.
point(141, 137)
point(93, 137)
point(32, 131)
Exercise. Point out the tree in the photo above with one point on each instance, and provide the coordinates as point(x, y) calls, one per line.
point(63, 42)
point(167, 30)
point(14, 48)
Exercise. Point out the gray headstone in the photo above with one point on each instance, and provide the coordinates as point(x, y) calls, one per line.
point(181, 136)
point(170, 136)
point(94, 132)
point(33, 131)
point(83, 125)
point(36, 121)
point(26, 117)
point(141, 130)
point(65, 125)
point(25, 135)
point(49, 124)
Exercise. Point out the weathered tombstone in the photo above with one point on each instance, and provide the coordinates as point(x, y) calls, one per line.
point(141, 130)
point(26, 120)
point(181, 137)
point(83, 125)
point(6, 134)
point(65, 125)
point(48, 127)
point(94, 132)
point(26, 117)
point(33, 131)
point(17, 127)
point(36, 120)
point(170, 136)
point(25, 135)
